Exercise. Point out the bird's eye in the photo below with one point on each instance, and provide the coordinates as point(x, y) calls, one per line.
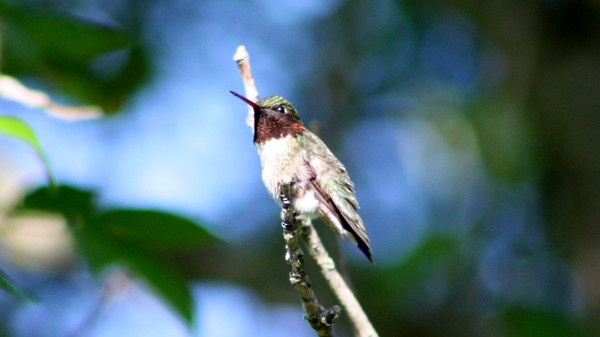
point(281, 109)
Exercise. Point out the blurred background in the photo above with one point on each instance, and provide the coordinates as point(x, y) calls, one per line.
point(470, 128)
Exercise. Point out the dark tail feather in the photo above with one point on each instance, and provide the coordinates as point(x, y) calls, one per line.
point(363, 243)
point(364, 247)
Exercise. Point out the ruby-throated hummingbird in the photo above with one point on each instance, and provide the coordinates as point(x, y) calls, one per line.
point(291, 154)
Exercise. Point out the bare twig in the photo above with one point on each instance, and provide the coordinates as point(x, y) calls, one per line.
point(243, 60)
point(320, 318)
point(359, 319)
point(12, 89)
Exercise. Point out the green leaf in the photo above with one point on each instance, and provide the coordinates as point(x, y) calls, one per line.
point(99, 64)
point(45, 32)
point(101, 249)
point(15, 128)
point(66, 200)
point(140, 240)
point(154, 230)
point(170, 284)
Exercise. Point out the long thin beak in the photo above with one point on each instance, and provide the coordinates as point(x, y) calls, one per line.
point(252, 104)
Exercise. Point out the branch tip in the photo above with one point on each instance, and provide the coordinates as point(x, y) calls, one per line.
point(240, 53)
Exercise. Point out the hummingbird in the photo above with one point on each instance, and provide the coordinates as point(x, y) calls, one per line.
point(291, 154)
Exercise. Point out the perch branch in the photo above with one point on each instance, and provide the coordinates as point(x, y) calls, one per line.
point(320, 318)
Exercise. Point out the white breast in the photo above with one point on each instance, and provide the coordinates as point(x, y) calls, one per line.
point(276, 162)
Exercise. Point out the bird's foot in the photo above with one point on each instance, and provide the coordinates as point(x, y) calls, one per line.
point(285, 201)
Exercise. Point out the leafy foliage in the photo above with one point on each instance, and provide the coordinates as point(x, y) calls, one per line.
point(34, 44)
point(155, 230)
point(137, 239)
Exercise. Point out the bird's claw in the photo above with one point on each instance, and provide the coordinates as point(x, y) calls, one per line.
point(285, 201)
